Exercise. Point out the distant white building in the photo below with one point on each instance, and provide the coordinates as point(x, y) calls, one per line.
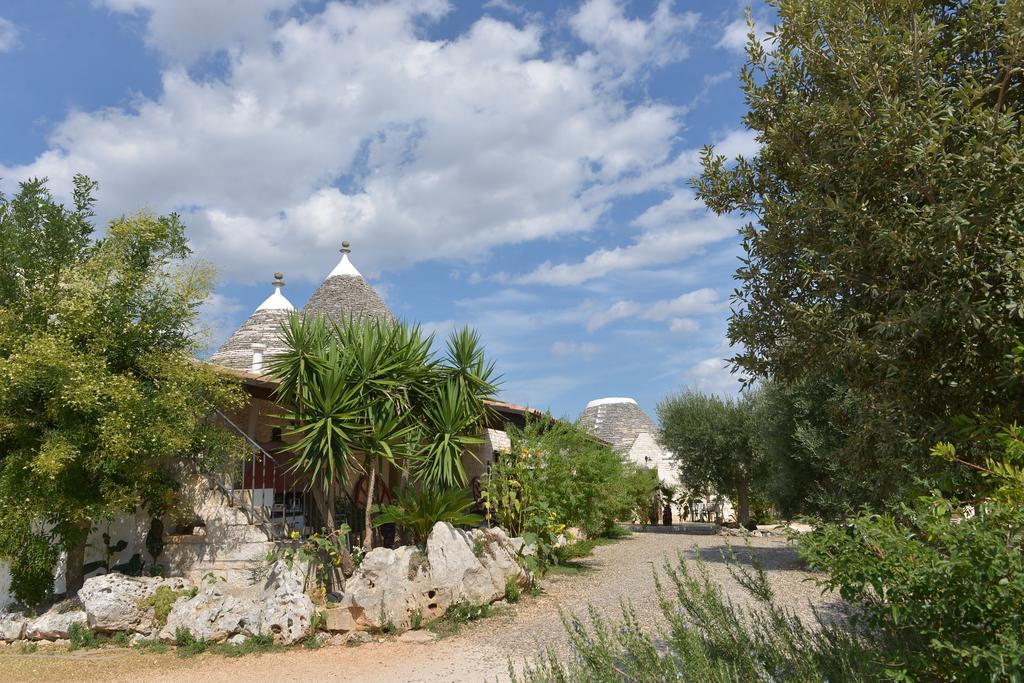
point(622, 422)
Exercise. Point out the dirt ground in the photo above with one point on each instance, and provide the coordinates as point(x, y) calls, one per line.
point(480, 651)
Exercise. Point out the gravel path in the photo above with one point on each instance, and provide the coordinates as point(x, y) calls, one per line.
point(480, 651)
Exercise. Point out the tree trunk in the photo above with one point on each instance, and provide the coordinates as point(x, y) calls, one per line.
point(743, 500)
point(332, 503)
point(367, 519)
point(74, 545)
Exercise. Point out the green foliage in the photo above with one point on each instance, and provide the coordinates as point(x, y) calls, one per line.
point(121, 639)
point(261, 643)
point(708, 638)
point(29, 648)
point(387, 623)
point(32, 557)
point(826, 452)
point(886, 241)
point(322, 552)
point(313, 642)
point(365, 392)
point(418, 509)
point(187, 644)
point(163, 599)
point(945, 592)
point(102, 400)
point(525, 492)
point(81, 636)
point(711, 440)
point(575, 550)
point(463, 612)
point(416, 619)
point(512, 590)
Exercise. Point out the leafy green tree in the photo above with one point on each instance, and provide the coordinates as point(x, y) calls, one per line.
point(824, 454)
point(365, 392)
point(711, 440)
point(102, 402)
point(884, 246)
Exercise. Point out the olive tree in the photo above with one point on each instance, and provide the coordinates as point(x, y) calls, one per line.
point(885, 205)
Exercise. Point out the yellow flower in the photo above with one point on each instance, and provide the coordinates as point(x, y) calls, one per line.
point(295, 535)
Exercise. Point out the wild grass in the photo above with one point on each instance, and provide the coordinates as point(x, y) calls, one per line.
point(706, 638)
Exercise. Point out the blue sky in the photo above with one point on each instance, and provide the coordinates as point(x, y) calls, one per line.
point(521, 167)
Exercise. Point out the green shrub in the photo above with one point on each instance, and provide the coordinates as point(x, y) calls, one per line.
point(416, 619)
point(29, 648)
point(80, 636)
point(944, 594)
point(417, 511)
point(163, 599)
point(387, 624)
point(188, 644)
point(574, 550)
point(121, 639)
point(257, 644)
point(462, 612)
point(708, 638)
point(524, 491)
point(512, 591)
point(31, 557)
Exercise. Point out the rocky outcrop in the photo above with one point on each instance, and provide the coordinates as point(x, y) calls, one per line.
point(392, 588)
point(55, 623)
point(221, 610)
point(12, 626)
point(114, 602)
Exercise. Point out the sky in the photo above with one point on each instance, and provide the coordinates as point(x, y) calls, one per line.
point(520, 167)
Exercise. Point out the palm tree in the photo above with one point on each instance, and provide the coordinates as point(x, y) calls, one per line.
point(365, 392)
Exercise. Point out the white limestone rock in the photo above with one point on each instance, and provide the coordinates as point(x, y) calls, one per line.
point(287, 610)
point(390, 586)
point(12, 626)
point(220, 611)
point(54, 625)
point(114, 602)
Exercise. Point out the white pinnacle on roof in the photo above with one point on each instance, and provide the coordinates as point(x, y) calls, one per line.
point(345, 266)
point(609, 401)
point(277, 300)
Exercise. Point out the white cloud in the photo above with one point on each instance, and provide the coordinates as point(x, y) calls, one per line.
point(735, 35)
point(704, 300)
point(683, 325)
point(738, 143)
point(8, 35)
point(712, 376)
point(564, 349)
point(621, 45)
point(186, 29)
point(445, 149)
point(673, 230)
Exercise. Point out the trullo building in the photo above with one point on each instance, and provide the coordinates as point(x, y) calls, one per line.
point(622, 422)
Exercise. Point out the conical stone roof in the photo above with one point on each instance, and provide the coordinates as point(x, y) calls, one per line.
point(262, 327)
point(619, 421)
point(346, 294)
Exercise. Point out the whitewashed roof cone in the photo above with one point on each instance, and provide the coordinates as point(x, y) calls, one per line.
point(262, 327)
point(617, 420)
point(345, 294)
